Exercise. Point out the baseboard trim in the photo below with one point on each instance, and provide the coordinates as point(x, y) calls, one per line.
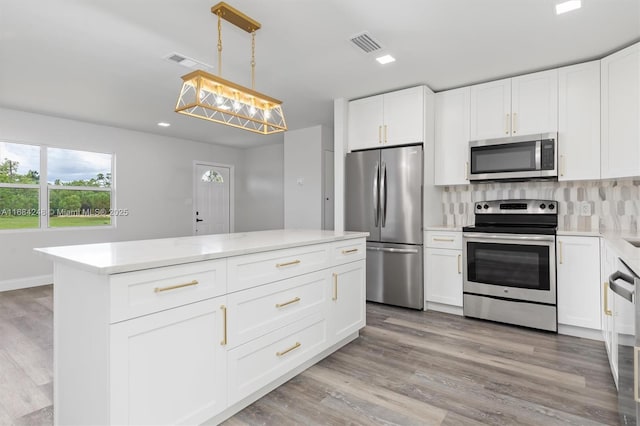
point(18, 283)
point(441, 307)
point(585, 333)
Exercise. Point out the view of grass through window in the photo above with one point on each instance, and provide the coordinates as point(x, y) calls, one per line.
point(77, 186)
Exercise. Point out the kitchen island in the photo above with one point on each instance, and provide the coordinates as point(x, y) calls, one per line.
point(191, 330)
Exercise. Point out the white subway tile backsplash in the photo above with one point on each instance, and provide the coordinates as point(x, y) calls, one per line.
point(615, 204)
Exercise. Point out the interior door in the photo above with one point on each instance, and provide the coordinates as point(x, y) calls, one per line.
point(212, 204)
point(401, 195)
point(362, 193)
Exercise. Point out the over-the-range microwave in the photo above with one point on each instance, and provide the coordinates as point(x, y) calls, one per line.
point(528, 157)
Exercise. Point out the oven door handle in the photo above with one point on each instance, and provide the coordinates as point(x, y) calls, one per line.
point(504, 237)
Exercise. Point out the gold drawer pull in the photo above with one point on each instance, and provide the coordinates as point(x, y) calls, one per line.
point(286, 351)
point(173, 287)
point(355, 250)
point(224, 321)
point(335, 287)
point(282, 305)
point(605, 300)
point(446, 240)
point(282, 265)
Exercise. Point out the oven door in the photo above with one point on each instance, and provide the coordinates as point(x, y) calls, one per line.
point(510, 266)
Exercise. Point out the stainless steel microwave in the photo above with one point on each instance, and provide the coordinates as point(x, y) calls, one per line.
point(528, 157)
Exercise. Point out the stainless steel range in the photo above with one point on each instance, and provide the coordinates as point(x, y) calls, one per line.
point(510, 263)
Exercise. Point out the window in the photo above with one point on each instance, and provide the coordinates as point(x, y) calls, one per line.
point(74, 189)
point(212, 176)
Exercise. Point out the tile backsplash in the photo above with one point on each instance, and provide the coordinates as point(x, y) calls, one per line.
point(615, 204)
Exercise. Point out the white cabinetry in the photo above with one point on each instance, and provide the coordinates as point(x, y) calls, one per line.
point(621, 113)
point(521, 105)
point(452, 137)
point(443, 271)
point(200, 341)
point(579, 122)
point(578, 272)
point(169, 367)
point(394, 118)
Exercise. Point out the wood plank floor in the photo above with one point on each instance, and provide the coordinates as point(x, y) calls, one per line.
point(407, 368)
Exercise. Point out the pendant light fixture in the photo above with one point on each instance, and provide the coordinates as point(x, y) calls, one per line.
point(210, 97)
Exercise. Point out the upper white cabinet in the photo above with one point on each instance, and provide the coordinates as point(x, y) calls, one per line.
point(452, 136)
point(394, 118)
point(521, 105)
point(578, 272)
point(579, 121)
point(621, 113)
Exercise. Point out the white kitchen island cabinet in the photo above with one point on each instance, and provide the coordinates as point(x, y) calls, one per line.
point(191, 330)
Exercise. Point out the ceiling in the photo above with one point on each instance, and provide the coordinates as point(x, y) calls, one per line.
point(102, 61)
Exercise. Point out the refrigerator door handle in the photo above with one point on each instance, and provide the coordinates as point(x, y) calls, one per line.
point(383, 194)
point(392, 250)
point(376, 194)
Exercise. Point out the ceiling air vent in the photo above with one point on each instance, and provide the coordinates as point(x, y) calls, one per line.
point(185, 61)
point(365, 42)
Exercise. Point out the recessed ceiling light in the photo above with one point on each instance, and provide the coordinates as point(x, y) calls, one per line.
point(568, 6)
point(163, 124)
point(386, 59)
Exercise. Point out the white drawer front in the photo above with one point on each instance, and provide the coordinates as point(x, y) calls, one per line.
point(261, 268)
point(134, 294)
point(257, 311)
point(263, 360)
point(349, 251)
point(444, 239)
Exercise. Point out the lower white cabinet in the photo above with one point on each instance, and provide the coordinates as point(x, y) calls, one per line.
point(347, 308)
point(578, 281)
point(443, 269)
point(169, 367)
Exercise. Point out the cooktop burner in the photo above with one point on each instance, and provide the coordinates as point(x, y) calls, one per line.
point(515, 217)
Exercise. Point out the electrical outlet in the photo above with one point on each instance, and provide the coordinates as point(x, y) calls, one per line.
point(585, 209)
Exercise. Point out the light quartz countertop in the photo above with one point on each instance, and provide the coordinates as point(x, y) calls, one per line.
point(126, 256)
point(443, 228)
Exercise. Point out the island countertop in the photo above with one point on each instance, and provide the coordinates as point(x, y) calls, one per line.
point(126, 256)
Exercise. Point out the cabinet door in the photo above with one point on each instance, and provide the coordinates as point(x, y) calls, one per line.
point(579, 121)
point(534, 103)
point(347, 306)
point(169, 367)
point(444, 276)
point(578, 273)
point(491, 110)
point(606, 312)
point(404, 116)
point(620, 112)
point(365, 123)
point(452, 137)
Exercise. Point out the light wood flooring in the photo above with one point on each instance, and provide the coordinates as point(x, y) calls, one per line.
point(407, 368)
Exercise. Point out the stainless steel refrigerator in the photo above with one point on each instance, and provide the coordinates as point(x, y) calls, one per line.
point(384, 198)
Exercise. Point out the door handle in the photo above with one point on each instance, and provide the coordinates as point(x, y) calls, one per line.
point(515, 121)
point(383, 193)
point(376, 195)
point(199, 220)
point(459, 264)
point(605, 301)
point(560, 260)
point(392, 250)
point(506, 125)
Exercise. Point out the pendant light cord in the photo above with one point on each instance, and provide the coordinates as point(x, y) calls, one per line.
point(253, 59)
point(219, 42)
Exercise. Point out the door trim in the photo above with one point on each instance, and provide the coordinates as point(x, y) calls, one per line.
point(232, 203)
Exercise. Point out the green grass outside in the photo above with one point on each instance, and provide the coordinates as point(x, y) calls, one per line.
point(26, 222)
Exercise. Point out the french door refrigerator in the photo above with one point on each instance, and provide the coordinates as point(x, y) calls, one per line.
point(384, 198)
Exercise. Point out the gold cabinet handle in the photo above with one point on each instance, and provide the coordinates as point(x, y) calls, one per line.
point(560, 260)
point(335, 287)
point(286, 351)
point(355, 250)
point(459, 264)
point(173, 287)
point(446, 240)
point(466, 170)
point(515, 121)
point(562, 165)
point(605, 299)
point(224, 322)
point(635, 373)
point(379, 134)
point(282, 265)
point(385, 133)
point(506, 125)
point(290, 302)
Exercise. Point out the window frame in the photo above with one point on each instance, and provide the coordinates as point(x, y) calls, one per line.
point(43, 191)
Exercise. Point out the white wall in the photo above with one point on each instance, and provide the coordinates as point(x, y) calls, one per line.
point(153, 178)
point(259, 190)
point(303, 176)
